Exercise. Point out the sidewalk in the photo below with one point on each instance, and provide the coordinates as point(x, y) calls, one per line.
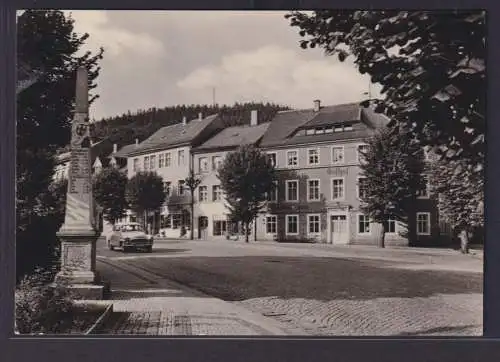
point(145, 304)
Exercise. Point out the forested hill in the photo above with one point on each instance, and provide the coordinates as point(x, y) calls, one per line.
point(126, 128)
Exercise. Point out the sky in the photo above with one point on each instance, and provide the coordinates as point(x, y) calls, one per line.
point(165, 58)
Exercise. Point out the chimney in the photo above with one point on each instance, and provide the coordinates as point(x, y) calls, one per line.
point(184, 120)
point(115, 148)
point(136, 142)
point(253, 118)
point(317, 105)
point(200, 116)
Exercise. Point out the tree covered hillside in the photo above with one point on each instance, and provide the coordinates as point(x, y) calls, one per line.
point(126, 128)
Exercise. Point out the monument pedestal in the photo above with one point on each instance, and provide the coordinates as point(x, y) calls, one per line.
point(78, 269)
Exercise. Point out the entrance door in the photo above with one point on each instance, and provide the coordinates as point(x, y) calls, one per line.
point(202, 227)
point(339, 230)
point(220, 227)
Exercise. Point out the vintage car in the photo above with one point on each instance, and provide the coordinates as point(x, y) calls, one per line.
point(130, 236)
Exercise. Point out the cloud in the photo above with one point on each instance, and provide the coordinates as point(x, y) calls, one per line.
point(279, 74)
point(117, 41)
point(163, 58)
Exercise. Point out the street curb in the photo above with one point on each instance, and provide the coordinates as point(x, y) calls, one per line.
point(101, 320)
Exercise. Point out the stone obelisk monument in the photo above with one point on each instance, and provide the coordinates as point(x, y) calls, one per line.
point(78, 234)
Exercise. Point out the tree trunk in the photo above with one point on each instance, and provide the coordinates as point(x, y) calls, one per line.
point(381, 238)
point(255, 229)
point(464, 241)
point(192, 217)
point(247, 229)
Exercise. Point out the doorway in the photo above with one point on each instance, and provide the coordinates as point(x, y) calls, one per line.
point(339, 231)
point(202, 227)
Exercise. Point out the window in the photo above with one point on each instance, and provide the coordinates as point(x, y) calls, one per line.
point(309, 131)
point(168, 159)
point(152, 161)
point(292, 158)
point(272, 157)
point(216, 193)
point(363, 224)
point(362, 188)
point(329, 130)
point(176, 220)
point(313, 156)
point(271, 224)
point(348, 128)
point(292, 190)
point(425, 192)
point(362, 149)
point(161, 160)
point(337, 188)
point(339, 128)
point(313, 224)
point(319, 131)
point(146, 163)
point(136, 164)
point(167, 187)
point(180, 157)
point(337, 155)
point(292, 224)
point(313, 190)
point(203, 164)
point(423, 223)
point(273, 194)
point(216, 162)
point(390, 226)
point(203, 193)
point(180, 187)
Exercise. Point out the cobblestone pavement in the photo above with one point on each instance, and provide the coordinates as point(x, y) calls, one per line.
point(147, 303)
point(440, 315)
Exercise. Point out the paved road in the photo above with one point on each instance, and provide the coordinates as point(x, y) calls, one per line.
point(305, 289)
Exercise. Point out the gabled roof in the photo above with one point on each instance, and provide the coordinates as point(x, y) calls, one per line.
point(124, 151)
point(336, 114)
point(174, 135)
point(284, 123)
point(232, 137)
point(285, 127)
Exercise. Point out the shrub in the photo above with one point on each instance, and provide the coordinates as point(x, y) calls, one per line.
point(42, 307)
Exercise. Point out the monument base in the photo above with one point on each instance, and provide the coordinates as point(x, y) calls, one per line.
point(88, 291)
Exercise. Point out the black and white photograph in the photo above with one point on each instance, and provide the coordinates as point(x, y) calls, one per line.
point(250, 173)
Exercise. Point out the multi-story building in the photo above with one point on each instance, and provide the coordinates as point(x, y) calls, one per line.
point(98, 151)
point(317, 157)
point(211, 214)
point(168, 153)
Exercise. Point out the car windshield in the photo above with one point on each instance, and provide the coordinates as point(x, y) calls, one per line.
point(131, 228)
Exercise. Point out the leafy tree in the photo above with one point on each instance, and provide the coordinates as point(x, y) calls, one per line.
point(430, 64)
point(392, 168)
point(46, 43)
point(460, 198)
point(246, 176)
point(109, 193)
point(144, 192)
point(192, 182)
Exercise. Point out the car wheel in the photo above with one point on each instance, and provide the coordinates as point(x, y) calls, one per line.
point(126, 249)
point(149, 249)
